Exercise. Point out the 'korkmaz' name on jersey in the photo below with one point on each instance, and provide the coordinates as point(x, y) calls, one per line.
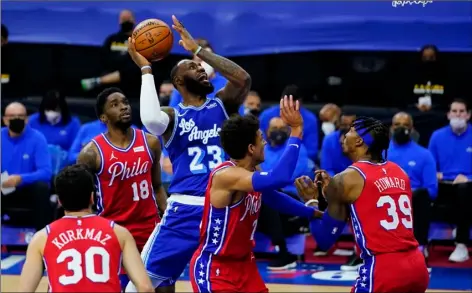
point(122, 171)
point(80, 234)
point(195, 133)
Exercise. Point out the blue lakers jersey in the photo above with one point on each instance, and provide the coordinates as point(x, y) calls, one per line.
point(194, 147)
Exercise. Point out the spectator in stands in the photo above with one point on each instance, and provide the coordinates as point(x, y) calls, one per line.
point(216, 79)
point(451, 147)
point(115, 54)
point(55, 121)
point(165, 91)
point(419, 164)
point(332, 158)
point(329, 115)
point(429, 80)
point(26, 167)
point(252, 104)
point(4, 35)
point(310, 135)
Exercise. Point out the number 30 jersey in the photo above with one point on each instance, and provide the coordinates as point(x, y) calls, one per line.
point(382, 217)
point(82, 254)
point(124, 186)
point(194, 147)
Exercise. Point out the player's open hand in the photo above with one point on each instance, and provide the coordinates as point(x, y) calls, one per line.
point(186, 40)
point(290, 112)
point(139, 59)
point(306, 189)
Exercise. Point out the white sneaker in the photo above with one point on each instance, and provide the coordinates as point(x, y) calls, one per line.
point(460, 254)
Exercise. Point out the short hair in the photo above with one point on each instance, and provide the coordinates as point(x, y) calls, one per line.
point(52, 99)
point(166, 81)
point(4, 32)
point(74, 185)
point(460, 101)
point(102, 99)
point(380, 135)
point(237, 133)
point(292, 90)
point(253, 93)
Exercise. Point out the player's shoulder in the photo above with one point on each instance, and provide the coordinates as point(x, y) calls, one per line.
point(38, 241)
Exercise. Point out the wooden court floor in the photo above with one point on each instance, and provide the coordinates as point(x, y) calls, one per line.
point(10, 284)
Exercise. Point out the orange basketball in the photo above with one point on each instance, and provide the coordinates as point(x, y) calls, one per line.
point(153, 39)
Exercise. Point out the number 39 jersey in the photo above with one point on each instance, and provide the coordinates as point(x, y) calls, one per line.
point(82, 254)
point(125, 194)
point(194, 147)
point(382, 216)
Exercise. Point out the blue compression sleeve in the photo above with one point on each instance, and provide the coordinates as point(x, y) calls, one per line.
point(281, 175)
point(286, 205)
point(326, 231)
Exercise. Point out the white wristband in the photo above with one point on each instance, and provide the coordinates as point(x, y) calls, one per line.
point(146, 67)
point(198, 50)
point(311, 201)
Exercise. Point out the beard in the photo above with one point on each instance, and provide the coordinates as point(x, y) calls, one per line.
point(123, 125)
point(198, 88)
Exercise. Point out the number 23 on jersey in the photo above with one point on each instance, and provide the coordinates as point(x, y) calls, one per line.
point(198, 165)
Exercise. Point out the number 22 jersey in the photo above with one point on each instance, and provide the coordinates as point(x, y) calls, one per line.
point(382, 217)
point(82, 254)
point(194, 147)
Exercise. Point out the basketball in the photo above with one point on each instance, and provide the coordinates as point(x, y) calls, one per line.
point(153, 39)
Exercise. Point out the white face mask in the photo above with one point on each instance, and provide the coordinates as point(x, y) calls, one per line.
point(208, 69)
point(328, 127)
point(458, 123)
point(52, 117)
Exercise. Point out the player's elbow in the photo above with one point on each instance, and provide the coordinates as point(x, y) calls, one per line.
point(156, 125)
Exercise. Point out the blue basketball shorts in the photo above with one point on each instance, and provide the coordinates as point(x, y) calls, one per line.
point(174, 240)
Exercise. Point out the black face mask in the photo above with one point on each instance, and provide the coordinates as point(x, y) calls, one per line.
point(17, 125)
point(198, 88)
point(401, 135)
point(127, 26)
point(254, 112)
point(164, 100)
point(278, 137)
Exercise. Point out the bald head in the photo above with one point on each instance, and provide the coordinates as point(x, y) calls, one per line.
point(402, 119)
point(330, 113)
point(126, 15)
point(15, 117)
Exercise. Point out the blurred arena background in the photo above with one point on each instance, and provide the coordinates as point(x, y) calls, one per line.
point(342, 58)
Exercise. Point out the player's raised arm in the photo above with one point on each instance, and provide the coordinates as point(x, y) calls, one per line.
point(239, 81)
point(161, 195)
point(32, 271)
point(132, 260)
point(153, 117)
point(89, 157)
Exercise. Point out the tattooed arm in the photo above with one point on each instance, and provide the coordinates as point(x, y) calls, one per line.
point(161, 195)
point(88, 156)
point(343, 189)
point(239, 81)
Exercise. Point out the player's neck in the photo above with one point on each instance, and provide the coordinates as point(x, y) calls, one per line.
point(368, 158)
point(80, 213)
point(245, 163)
point(120, 137)
point(190, 99)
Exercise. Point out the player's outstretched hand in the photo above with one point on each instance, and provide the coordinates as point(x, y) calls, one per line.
point(139, 59)
point(290, 112)
point(186, 40)
point(306, 189)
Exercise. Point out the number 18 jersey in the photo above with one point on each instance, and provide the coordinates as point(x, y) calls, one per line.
point(382, 217)
point(194, 147)
point(82, 254)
